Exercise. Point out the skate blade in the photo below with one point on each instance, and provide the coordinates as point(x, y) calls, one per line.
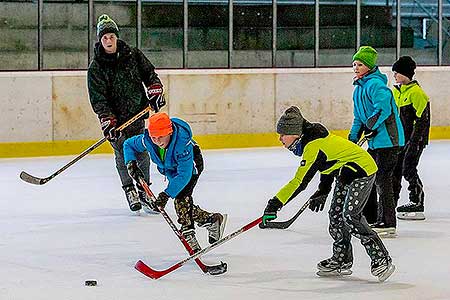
point(386, 274)
point(334, 273)
point(416, 216)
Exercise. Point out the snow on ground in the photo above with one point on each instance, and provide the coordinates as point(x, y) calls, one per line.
point(78, 227)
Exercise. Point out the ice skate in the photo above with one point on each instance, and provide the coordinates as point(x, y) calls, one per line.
point(411, 211)
point(382, 268)
point(329, 268)
point(189, 235)
point(384, 231)
point(147, 204)
point(132, 198)
point(215, 226)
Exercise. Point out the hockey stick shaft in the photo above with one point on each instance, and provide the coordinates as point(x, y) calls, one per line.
point(169, 221)
point(40, 181)
point(155, 274)
point(286, 224)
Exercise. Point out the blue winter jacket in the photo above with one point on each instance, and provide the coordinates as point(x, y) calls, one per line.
point(178, 165)
point(374, 107)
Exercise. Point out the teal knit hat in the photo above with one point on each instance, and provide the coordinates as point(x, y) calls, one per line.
point(106, 25)
point(367, 55)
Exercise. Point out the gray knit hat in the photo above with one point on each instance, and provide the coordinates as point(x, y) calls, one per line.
point(106, 25)
point(291, 122)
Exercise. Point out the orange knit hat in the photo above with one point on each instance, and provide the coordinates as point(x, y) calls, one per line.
point(159, 125)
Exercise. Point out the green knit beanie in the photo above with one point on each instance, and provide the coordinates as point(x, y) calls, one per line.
point(367, 55)
point(106, 25)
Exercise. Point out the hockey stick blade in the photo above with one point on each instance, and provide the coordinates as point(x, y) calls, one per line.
point(33, 179)
point(156, 274)
point(211, 269)
point(284, 224)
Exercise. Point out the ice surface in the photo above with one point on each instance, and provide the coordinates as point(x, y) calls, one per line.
point(78, 227)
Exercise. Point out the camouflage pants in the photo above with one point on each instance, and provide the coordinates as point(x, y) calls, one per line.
point(346, 219)
point(187, 212)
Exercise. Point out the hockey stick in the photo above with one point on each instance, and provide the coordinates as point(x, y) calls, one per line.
point(285, 224)
point(155, 274)
point(40, 181)
point(362, 141)
point(213, 270)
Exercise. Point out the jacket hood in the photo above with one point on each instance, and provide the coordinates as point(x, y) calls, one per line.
point(123, 50)
point(182, 130)
point(374, 74)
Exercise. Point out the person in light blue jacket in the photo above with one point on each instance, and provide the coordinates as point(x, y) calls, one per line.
point(169, 143)
point(376, 116)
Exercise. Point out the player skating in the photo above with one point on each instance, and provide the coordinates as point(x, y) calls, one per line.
point(115, 81)
point(170, 146)
point(354, 170)
point(414, 108)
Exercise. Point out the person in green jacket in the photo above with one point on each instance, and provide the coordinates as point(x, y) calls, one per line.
point(122, 82)
point(414, 106)
point(354, 169)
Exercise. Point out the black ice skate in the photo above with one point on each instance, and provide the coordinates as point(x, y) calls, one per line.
point(147, 204)
point(382, 268)
point(330, 267)
point(215, 226)
point(132, 198)
point(384, 231)
point(411, 211)
point(189, 235)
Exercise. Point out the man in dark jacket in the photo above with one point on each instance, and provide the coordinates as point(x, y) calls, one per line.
point(121, 83)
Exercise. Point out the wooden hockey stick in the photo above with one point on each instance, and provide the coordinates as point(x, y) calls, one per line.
point(285, 224)
point(40, 181)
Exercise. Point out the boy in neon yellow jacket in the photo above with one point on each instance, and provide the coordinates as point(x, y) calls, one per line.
point(414, 107)
point(354, 169)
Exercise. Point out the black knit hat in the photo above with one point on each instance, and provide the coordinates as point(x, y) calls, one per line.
point(291, 122)
point(106, 25)
point(405, 65)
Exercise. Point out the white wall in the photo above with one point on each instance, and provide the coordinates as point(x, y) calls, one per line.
point(52, 106)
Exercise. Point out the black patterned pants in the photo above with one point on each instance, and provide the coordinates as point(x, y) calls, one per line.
point(346, 219)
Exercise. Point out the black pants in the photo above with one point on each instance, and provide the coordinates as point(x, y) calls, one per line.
point(143, 160)
point(346, 219)
point(407, 163)
point(383, 210)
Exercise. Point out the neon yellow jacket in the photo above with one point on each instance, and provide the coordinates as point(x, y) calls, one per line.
point(414, 107)
point(329, 154)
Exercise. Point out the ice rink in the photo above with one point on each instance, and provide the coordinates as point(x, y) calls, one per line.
point(78, 227)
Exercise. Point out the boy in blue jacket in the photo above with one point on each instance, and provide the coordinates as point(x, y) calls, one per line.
point(170, 146)
point(376, 115)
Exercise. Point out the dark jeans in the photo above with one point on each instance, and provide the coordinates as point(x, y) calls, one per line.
point(143, 160)
point(383, 210)
point(408, 160)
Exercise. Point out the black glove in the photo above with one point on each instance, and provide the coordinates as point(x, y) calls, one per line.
point(108, 125)
point(155, 96)
point(135, 172)
point(369, 133)
point(317, 201)
point(270, 212)
point(161, 201)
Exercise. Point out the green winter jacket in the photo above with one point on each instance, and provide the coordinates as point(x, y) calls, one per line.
point(115, 81)
point(330, 155)
point(414, 107)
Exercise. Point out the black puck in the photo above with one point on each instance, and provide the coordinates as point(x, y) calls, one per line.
point(90, 283)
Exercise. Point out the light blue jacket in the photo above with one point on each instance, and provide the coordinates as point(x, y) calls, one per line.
point(178, 165)
point(374, 107)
